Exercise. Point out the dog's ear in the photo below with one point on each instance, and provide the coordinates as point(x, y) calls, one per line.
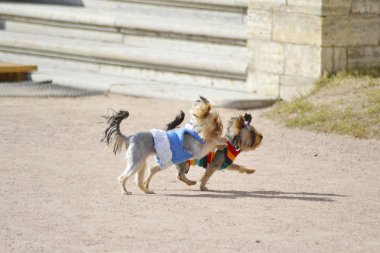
point(247, 118)
point(217, 122)
point(238, 124)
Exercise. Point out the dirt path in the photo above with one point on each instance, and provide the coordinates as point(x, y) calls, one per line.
point(58, 191)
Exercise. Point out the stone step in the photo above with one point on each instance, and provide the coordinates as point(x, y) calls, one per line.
point(116, 54)
point(143, 88)
point(71, 64)
point(233, 51)
point(217, 5)
point(128, 22)
point(224, 11)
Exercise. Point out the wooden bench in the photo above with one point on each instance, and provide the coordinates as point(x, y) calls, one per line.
point(11, 72)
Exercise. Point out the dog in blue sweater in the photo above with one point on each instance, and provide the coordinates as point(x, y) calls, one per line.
point(241, 136)
point(170, 147)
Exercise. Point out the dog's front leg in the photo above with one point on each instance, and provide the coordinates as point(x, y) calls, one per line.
point(219, 143)
point(240, 168)
point(208, 173)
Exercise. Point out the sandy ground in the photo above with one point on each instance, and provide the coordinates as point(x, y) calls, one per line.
point(58, 190)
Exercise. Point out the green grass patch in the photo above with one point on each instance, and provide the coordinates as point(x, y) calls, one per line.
point(374, 107)
point(344, 103)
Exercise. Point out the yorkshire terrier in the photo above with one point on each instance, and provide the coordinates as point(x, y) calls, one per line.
point(241, 136)
point(170, 147)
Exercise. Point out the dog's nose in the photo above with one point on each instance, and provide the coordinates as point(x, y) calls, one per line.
point(261, 136)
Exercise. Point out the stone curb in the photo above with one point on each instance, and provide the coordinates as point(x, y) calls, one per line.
point(139, 88)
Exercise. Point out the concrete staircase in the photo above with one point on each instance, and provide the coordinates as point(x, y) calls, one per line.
point(157, 45)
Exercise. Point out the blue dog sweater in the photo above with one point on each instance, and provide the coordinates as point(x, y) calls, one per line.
point(176, 139)
point(169, 146)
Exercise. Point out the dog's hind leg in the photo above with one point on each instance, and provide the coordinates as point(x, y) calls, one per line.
point(123, 180)
point(182, 169)
point(131, 169)
point(240, 168)
point(152, 172)
point(128, 172)
point(140, 179)
point(136, 157)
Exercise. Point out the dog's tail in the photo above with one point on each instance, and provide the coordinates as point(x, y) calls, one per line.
point(201, 109)
point(112, 134)
point(176, 122)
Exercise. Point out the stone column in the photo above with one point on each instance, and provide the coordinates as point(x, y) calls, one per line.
point(351, 35)
point(293, 42)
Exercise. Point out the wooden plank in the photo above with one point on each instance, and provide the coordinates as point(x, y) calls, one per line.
point(14, 77)
point(6, 67)
point(12, 72)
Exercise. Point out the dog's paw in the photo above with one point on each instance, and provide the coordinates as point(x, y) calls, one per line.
point(192, 182)
point(204, 188)
point(126, 192)
point(250, 171)
point(149, 192)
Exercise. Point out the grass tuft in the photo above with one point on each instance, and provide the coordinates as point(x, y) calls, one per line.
point(345, 103)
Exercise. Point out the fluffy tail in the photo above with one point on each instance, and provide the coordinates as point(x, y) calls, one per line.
point(112, 134)
point(201, 109)
point(176, 122)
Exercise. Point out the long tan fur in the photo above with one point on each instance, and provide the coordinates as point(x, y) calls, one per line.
point(206, 119)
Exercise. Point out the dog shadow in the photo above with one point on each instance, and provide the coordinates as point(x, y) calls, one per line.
point(304, 196)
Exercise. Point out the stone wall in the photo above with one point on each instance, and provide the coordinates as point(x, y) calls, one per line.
point(293, 42)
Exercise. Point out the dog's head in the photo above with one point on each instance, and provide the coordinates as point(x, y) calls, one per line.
point(205, 120)
point(242, 134)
